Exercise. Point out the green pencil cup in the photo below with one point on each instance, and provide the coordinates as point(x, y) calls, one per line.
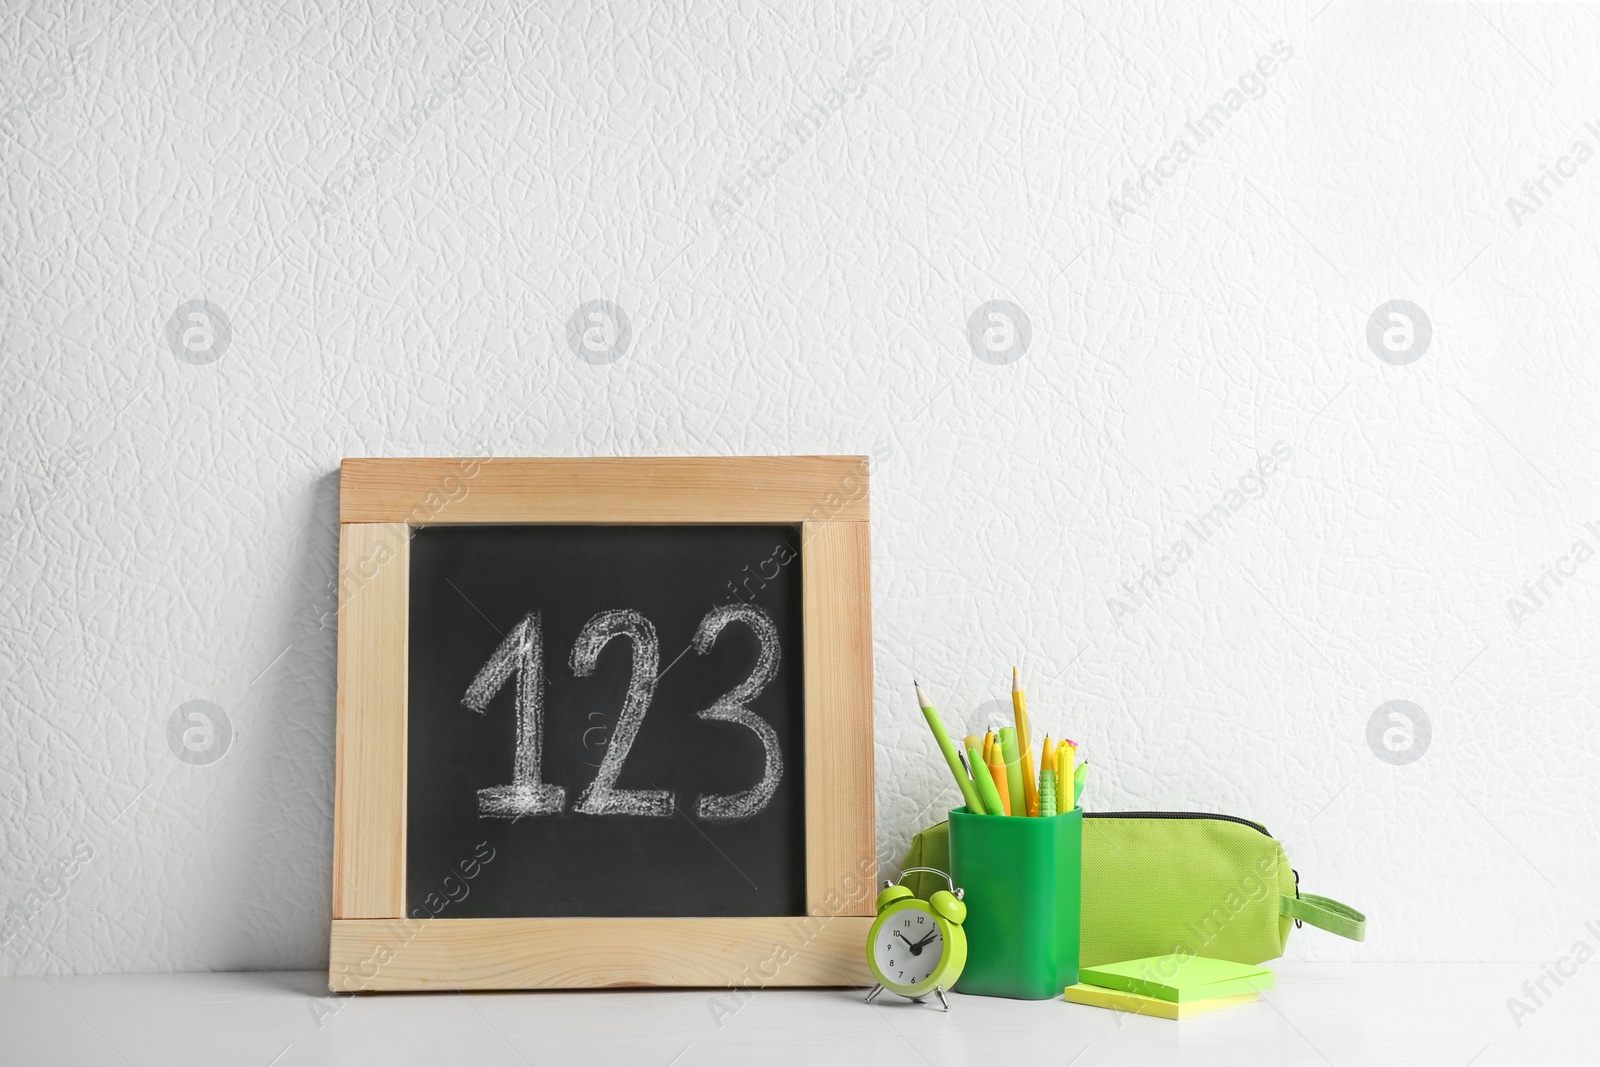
point(1022, 880)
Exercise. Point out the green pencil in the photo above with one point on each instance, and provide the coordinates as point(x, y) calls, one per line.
point(1078, 778)
point(969, 792)
point(1012, 752)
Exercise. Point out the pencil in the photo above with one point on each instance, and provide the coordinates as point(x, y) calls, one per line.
point(997, 773)
point(969, 792)
point(1019, 707)
point(1007, 744)
point(1066, 754)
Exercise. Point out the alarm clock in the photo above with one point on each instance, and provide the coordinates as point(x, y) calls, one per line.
point(917, 947)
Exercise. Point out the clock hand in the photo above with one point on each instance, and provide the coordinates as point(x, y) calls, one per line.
point(916, 949)
point(931, 935)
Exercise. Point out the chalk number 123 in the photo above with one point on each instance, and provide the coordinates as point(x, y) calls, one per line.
point(521, 656)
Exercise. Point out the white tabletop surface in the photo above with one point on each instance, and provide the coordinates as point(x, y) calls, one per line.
point(1321, 1013)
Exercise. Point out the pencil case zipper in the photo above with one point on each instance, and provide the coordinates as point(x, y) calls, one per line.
point(1176, 815)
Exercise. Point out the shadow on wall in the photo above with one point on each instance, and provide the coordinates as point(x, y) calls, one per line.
point(271, 891)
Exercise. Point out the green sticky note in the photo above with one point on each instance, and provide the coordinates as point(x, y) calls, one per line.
point(1179, 978)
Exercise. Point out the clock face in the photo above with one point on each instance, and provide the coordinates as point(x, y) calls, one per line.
point(908, 947)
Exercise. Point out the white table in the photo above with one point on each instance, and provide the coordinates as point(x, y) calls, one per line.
point(1320, 1014)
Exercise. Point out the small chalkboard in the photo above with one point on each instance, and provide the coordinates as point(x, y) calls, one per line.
point(603, 722)
point(618, 711)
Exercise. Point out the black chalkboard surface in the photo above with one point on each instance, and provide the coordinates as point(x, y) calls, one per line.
point(616, 711)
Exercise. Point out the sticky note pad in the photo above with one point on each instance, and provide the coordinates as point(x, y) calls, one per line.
point(1179, 979)
point(1134, 1004)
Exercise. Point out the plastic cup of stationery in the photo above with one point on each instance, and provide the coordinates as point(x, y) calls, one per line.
point(1022, 880)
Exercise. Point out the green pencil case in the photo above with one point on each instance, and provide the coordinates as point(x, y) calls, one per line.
point(1158, 882)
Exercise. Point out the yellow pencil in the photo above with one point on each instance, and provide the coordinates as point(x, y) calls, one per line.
point(988, 744)
point(1062, 767)
point(1066, 757)
point(1019, 707)
point(1047, 762)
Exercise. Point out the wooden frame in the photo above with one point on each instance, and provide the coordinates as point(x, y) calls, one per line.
point(375, 946)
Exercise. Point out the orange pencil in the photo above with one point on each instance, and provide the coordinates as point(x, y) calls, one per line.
point(997, 771)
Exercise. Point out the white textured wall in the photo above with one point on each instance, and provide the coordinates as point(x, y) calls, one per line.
point(397, 272)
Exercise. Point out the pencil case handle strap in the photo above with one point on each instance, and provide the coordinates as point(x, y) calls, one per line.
point(1325, 913)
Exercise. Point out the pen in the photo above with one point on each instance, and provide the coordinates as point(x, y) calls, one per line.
point(981, 778)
